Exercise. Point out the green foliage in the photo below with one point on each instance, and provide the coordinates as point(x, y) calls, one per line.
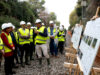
point(53, 16)
point(79, 10)
point(6, 19)
point(4, 8)
point(75, 15)
point(58, 23)
point(26, 11)
point(14, 11)
point(73, 18)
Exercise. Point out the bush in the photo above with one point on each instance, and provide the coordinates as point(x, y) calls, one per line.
point(6, 19)
point(4, 8)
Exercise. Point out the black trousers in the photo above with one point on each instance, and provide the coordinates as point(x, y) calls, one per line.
point(8, 65)
point(15, 56)
point(24, 49)
point(61, 46)
point(32, 49)
point(0, 58)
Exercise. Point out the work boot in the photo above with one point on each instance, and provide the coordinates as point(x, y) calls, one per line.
point(13, 72)
point(48, 63)
point(22, 65)
point(40, 62)
point(27, 63)
point(31, 58)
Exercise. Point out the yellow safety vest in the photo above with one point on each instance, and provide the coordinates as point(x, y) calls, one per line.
point(31, 35)
point(1, 44)
point(61, 38)
point(16, 36)
point(26, 33)
point(39, 38)
point(6, 49)
point(54, 31)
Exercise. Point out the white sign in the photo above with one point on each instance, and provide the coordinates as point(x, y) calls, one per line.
point(89, 45)
point(76, 36)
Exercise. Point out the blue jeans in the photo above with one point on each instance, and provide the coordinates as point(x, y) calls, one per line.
point(53, 47)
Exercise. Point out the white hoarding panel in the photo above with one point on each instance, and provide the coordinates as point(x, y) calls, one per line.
point(89, 45)
point(76, 36)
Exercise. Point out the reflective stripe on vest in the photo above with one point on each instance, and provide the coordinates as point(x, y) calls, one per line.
point(61, 38)
point(39, 38)
point(26, 33)
point(6, 49)
point(1, 44)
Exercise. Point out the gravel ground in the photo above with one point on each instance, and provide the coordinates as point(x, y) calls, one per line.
point(57, 67)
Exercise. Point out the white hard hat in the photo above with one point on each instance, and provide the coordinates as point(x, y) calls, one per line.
point(13, 27)
point(51, 22)
point(10, 24)
point(28, 23)
point(43, 24)
point(61, 28)
point(33, 27)
point(38, 21)
point(22, 23)
point(5, 25)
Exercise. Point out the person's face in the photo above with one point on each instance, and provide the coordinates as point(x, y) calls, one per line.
point(9, 29)
point(38, 25)
point(29, 26)
point(23, 26)
point(52, 25)
point(12, 29)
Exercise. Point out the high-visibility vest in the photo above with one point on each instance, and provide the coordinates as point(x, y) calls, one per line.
point(23, 33)
point(1, 44)
point(39, 38)
point(16, 36)
point(54, 31)
point(6, 49)
point(61, 38)
point(31, 35)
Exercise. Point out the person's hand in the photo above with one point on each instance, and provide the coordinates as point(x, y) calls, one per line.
point(13, 48)
point(52, 37)
point(37, 32)
point(94, 17)
point(2, 51)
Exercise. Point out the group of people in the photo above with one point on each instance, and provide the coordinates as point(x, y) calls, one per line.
point(22, 43)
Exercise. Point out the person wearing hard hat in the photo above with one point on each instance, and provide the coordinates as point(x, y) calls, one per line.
point(24, 41)
point(13, 36)
point(64, 29)
point(8, 48)
point(41, 38)
point(52, 33)
point(32, 46)
point(61, 39)
point(43, 24)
